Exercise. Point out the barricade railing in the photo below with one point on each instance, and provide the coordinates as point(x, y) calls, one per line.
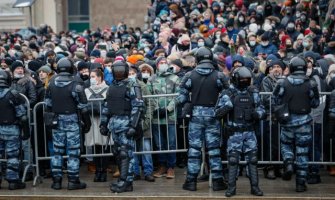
point(164, 134)
point(28, 162)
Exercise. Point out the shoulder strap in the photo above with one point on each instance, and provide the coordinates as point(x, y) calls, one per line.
point(102, 91)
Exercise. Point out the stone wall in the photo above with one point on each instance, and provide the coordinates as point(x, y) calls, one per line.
point(110, 12)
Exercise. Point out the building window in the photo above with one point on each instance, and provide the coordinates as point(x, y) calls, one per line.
point(6, 8)
point(78, 11)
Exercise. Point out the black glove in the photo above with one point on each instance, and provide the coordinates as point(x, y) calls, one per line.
point(25, 130)
point(163, 113)
point(104, 130)
point(221, 112)
point(86, 123)
point(131, 132)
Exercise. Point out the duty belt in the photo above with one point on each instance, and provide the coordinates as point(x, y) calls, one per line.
point(232, 129)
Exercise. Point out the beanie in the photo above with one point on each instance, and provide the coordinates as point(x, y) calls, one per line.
point(45, 69)
point(82, 65)
point(34, 65)
point(177, 62)
point(95, 53)
point(16, 64)
point(159, 59)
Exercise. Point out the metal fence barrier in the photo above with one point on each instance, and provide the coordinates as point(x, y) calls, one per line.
point(160, 138)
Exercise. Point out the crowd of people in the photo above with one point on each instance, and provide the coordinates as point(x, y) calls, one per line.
point(220, 53)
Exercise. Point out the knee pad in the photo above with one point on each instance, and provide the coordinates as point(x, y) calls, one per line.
point(214, 153)
point(123, 154)
point(13, 154)
point(233, 158)
point(252, 155)
point(194, 153)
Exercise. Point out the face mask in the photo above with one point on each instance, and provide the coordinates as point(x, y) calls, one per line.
point(297, 14)
point(241, 19)
point(263, 43)
point(303, 18)
point(84, 77)
point(217, 36)
point(211, 26)
point(290, 30)
point(92, 60)
point(18, 75)
point(305, 44)
point(288, 46)
point(146, 49)
point(93, 81)
point(51, 60)
point(252, 43)
point(201, 44)
point(138, 34)
point(132, 77)
point(109, 69)
point(163, 68)
point(145, 75)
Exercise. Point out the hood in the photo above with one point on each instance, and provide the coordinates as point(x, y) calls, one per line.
point(63, 81)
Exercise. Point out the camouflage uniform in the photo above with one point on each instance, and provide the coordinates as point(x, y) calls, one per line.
point(119, 125)
point(66, 136)
point(242, 138)
point(164, 115)
point(203, 125)
point(296, 132)
point(10, 135)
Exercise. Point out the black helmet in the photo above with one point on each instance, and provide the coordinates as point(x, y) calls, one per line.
point(241, 77)
point(120, 70)
point(5, 79)
point(203, 53)
point(65, 65)
point(298, 64)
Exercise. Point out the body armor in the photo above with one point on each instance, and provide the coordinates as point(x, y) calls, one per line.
point(117, 101)
point(297, 97)
point(62, 99)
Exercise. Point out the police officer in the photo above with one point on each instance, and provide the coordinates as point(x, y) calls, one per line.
point(204, 83)
point(120, 116)
point(64, 97)
point(15, 116)
point(243, 105)
point(301, 95)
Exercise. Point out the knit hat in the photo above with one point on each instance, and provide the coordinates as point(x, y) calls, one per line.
point(119, 58)
point(95, 53)
point(8, 61)
point(34, 65)
point(177, 62)
point(45, 69)
point(159, 59)
point(82, 65)
point(133, 59)
point(277, 62)
point(16, 64)
point(300, 36)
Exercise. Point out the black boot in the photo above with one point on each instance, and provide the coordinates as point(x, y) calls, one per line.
point(219, 184)
point(232, 173)
point(190, 184)
point(97, 176)
point(300, 185)
point(123, 185)
point(269, 172)
point(103, 176)
point(57, 183)
point(253, 173)
point(75, 184)
point(14, 185)
point(288, 170)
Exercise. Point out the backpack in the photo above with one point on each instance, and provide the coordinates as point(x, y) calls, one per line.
point(96, 105)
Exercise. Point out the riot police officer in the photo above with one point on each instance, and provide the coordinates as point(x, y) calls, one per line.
point(204, 83)
point(65, 97)
point(242, 103)
point(121, 114)
point(301, 95)
point(15, 116)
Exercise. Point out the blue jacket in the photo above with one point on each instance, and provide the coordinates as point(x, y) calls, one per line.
point(269, 49)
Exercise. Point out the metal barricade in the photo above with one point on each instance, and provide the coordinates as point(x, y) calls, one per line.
point(160, 137)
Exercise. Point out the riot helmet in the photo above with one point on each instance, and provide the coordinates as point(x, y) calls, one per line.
point(241, 77)
point(5, 78)
point(298, 65)
point(65, 65)
point(203, 53)
point(120, 70)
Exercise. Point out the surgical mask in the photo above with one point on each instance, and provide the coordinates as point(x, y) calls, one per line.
point(163, 68)
point(51, 60)
point(145, 75)
point(303, 18)
point(93, 81)
point(109, 69)
point(265, 43)
point(201, 44)
point(305, 44)
point(92, 60)
point(138, 34)
point(132, 77)
point(18, 75)
point(211, 26)
point(241, 19)
point(146, 49)
point(218, 35)
point(252, 43)
point(297, 14)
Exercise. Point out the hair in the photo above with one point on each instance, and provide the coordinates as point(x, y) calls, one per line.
point(99, 73)
point(108, 60)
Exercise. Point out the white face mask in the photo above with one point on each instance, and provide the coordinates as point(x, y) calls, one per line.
point(132, 76)
point(145, 75)
point(265, 43)
point(217, 36)
point(92, 60)
point(109, 69)
point(241, 19)
point(163, 68)
point(201, 44)
point(93, 81)
point(252, 43)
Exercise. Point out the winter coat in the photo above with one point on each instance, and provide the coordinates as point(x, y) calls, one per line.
point(26, 87)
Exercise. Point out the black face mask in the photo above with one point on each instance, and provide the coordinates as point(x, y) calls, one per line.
point(84, 77)
point(51, 61)
point(183, 47)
